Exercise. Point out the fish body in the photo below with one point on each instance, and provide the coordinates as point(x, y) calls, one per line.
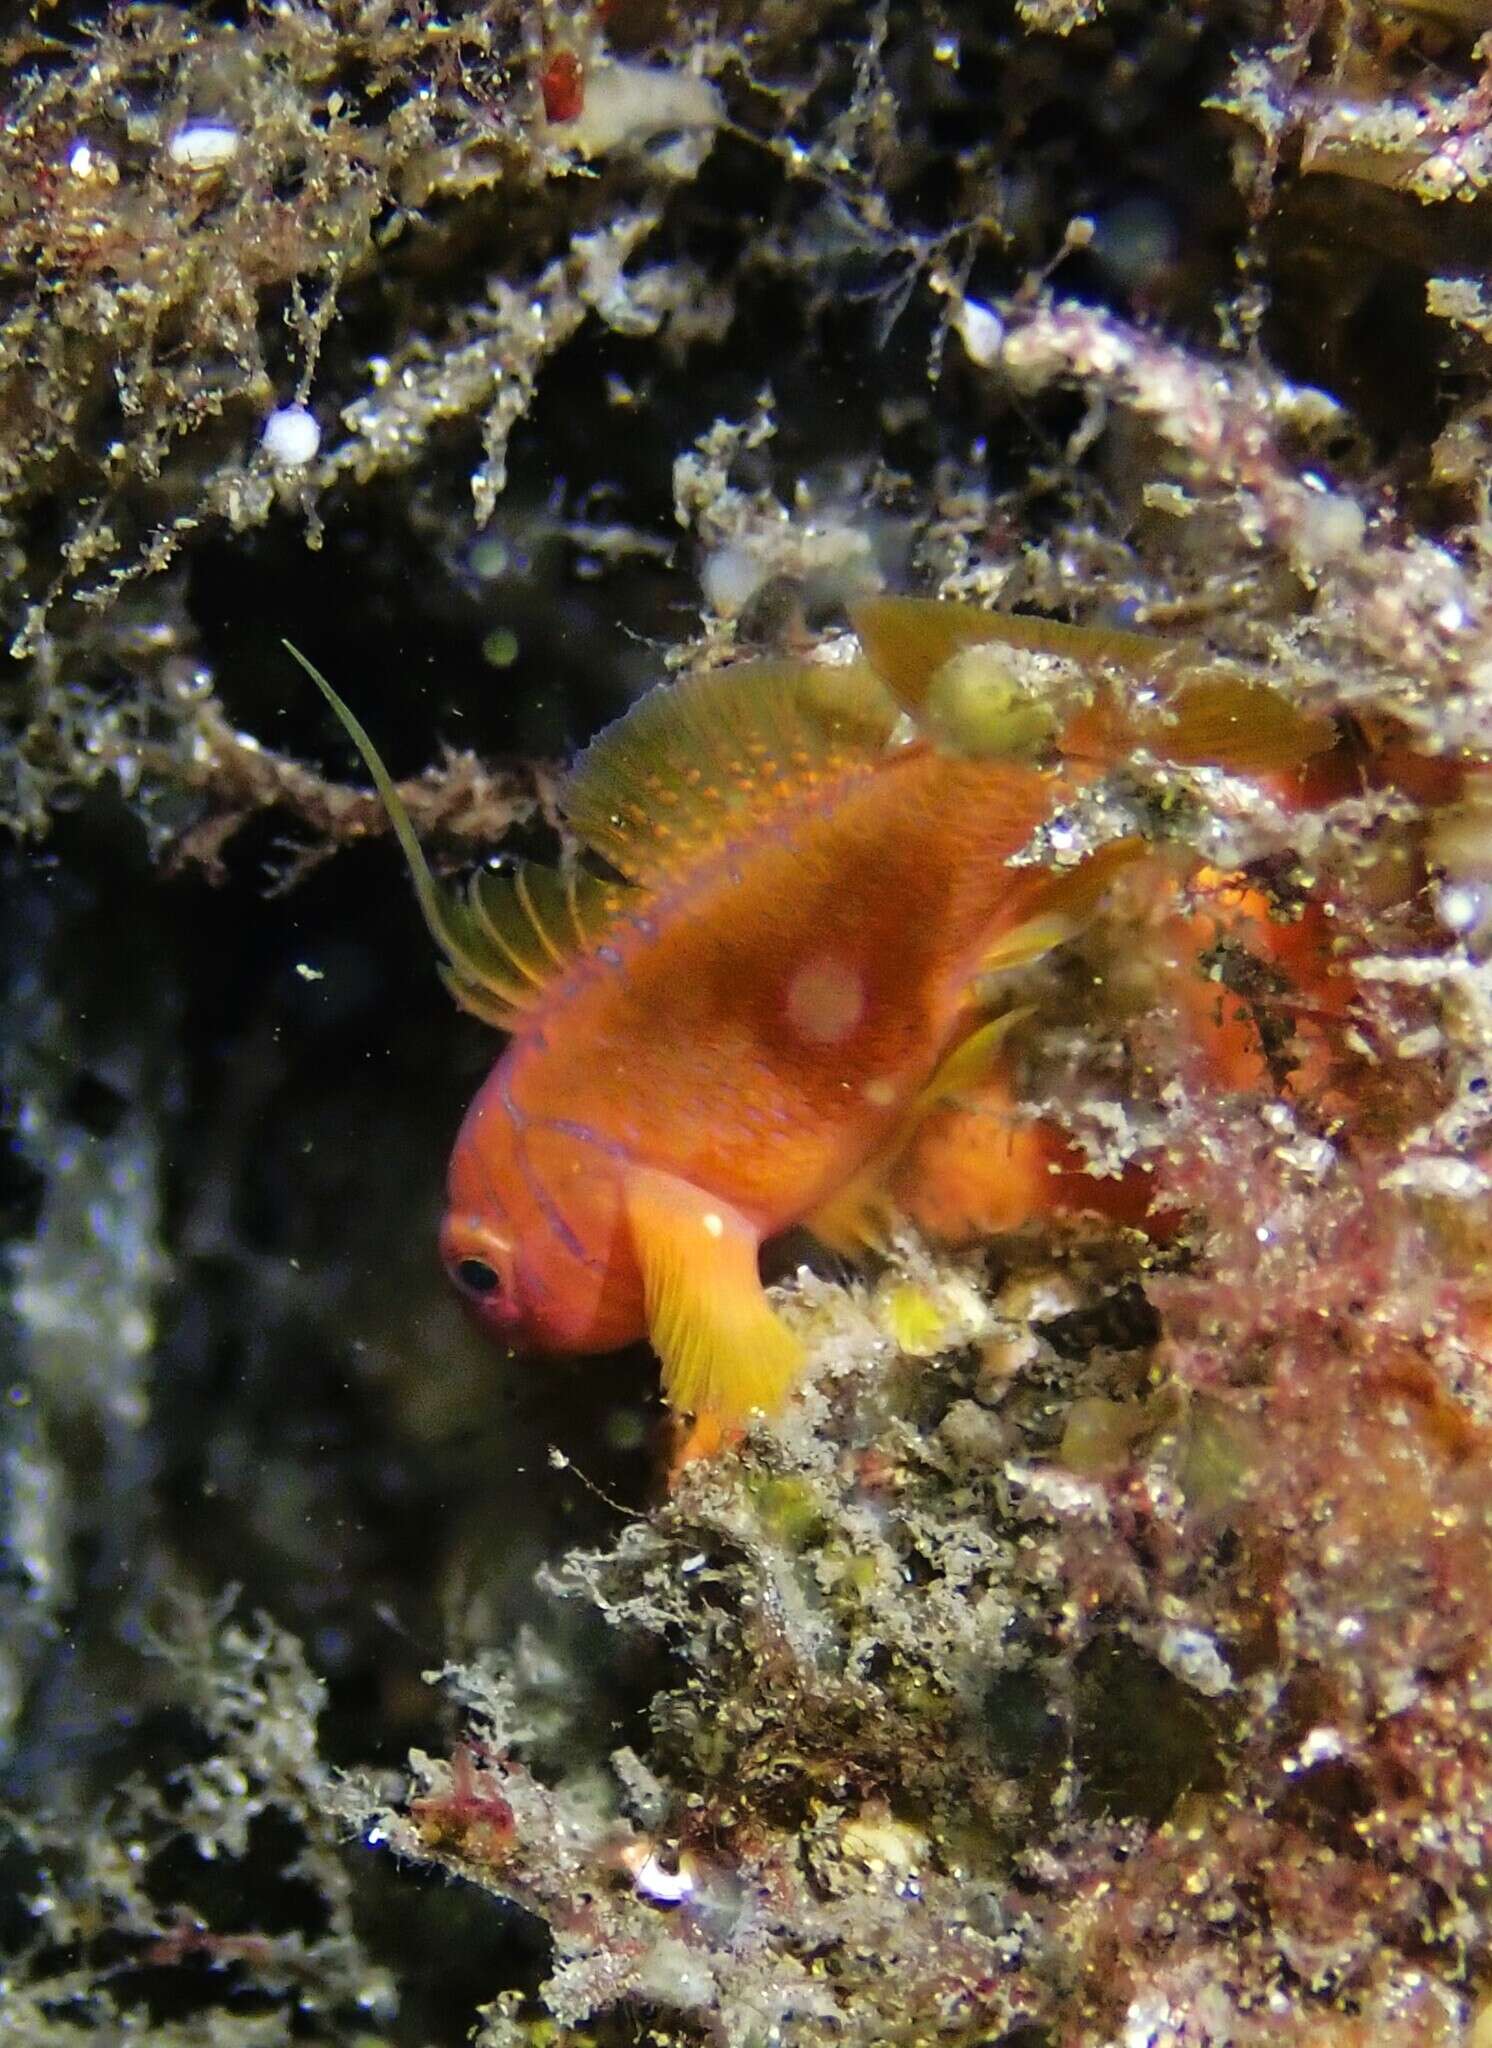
point(742, 1026)
point(756, 1031)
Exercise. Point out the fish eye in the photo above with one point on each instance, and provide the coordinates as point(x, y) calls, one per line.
point(476, 1276)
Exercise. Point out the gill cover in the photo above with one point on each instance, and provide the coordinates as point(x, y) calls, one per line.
point(506, 936)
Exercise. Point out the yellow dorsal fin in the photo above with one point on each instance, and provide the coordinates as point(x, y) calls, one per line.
point(926, 652)
point(1236, 722)
point(513, 929)
point(907, 640)
point(697, 764)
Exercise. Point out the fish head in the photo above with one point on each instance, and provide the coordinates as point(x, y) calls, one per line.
point(530, 1237)
point(481, 1259)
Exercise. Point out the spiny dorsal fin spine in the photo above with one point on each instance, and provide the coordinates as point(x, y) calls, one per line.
point(493, 898)
point(503, 938)
point(524, 894)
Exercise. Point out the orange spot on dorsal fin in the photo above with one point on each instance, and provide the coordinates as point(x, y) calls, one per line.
point(700, 764)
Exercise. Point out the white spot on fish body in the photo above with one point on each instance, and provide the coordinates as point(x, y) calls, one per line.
point(825, 1000)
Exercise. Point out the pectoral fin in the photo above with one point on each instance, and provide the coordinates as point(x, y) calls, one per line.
point(725, 1354)
point(858, 1217)
point(1059, 907)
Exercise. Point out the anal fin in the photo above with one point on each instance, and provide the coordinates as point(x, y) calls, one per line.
point(725, 1353)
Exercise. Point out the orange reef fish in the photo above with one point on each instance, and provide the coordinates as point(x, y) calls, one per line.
point(813, 878)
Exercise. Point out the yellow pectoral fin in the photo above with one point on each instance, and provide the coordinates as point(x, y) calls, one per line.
point(859, 1217)
point(967, 1064)
point(1062, 908)
point(725, 1354)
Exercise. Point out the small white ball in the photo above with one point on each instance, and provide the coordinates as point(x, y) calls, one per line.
point(203, 145)
point(291, 437)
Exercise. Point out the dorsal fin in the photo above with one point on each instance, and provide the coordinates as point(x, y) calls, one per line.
point(519, 926)
point(908, 639)
point(1213, 714)
point(512, 929)
point(695, 764)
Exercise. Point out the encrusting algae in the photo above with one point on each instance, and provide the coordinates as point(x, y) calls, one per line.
point(795, 964)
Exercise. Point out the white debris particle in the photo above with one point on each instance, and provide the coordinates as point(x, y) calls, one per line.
point(1456, 1180)
point(630, 104)
point(1061, 1493)
point(730, 578)
point(291, 437)
point(1421, 1044)
point(203, 145)
point(1191, 1655)
point(1321, 1746)
point(980, 329)
point(309, 973)
point(673, 1975)
point(1332, 527)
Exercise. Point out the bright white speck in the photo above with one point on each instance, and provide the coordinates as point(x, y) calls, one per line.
point(981, 331)
point(1461, 908)
point(714, 1225)
point(81, 160)
point(1321, 1746)
point(203, 145)
point(291, 437)
point(307, 972)
point(665, 1887)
